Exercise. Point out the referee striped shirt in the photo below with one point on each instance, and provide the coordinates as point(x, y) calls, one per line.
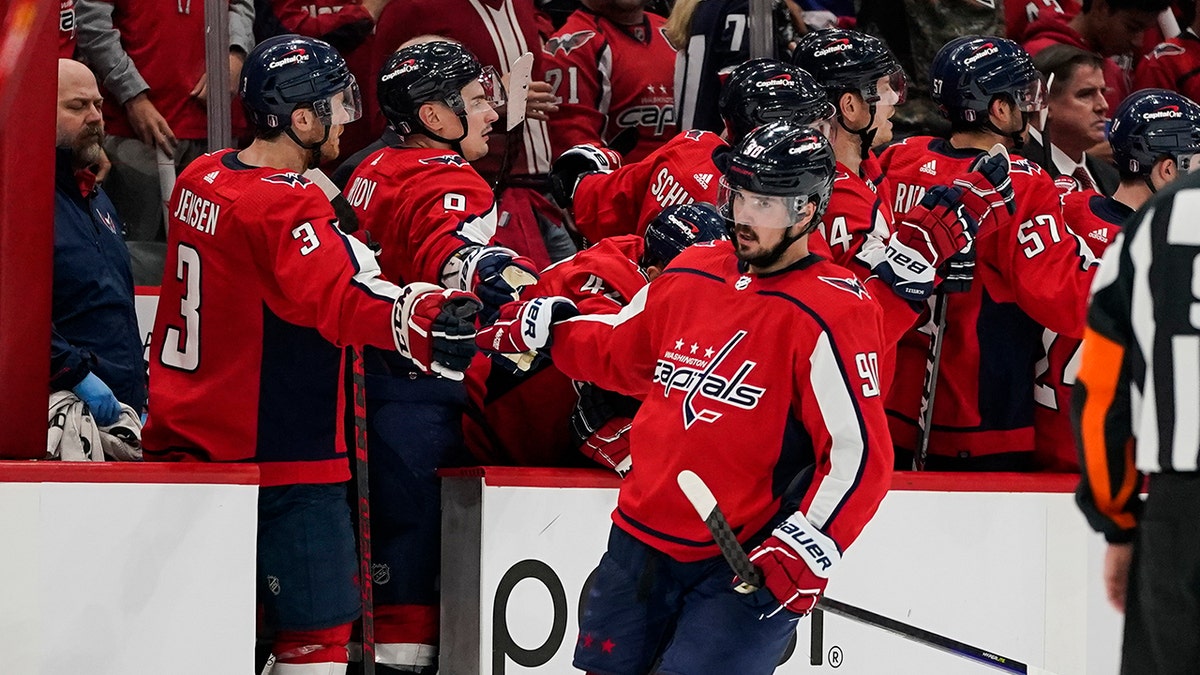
point(1136, 405)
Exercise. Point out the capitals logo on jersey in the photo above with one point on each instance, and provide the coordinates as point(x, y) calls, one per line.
point(449, 160)
point(694, 134)
point(567, 43)
point(289, 178)
point(692, 369)
point(850, 285)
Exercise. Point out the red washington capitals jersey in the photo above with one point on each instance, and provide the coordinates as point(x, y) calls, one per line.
point(1173, 65)
point(773, 373)
point(528, 418)
point(260, 293)
point(1097, 219)
point(497, 32)
point(1031, 272)
point(421, 205)
point(682, 171)
point(611, 78)
point(860, 216)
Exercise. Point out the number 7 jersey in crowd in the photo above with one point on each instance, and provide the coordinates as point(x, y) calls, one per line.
point(260, 293)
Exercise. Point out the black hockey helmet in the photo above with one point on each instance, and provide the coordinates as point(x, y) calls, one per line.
point(762, 91)
point(846, 60)
point(781, 159)
point(969, 72)
point(288, 71)
point(678, 227)
point(431, 71)
point(1152, 124)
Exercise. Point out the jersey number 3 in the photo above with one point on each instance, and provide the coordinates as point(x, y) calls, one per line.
point(181, 346)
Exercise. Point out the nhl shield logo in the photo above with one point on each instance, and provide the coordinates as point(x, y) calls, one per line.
point(273, 585)
point(381, 573)
point(742, 283)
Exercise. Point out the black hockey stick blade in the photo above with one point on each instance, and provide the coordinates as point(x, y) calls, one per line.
point(705, 503)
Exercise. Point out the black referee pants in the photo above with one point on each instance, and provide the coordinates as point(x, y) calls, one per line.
point(1162, 607)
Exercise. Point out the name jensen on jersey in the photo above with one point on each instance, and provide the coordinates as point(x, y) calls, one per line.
point(703, 381)
point(196, 211)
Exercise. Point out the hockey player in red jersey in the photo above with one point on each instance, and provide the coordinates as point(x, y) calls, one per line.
point(1173, 64)
point(434, 217)
point(613, 71)
point(865, 83)
point(1030, 272)
point(533, 419)
point(1155, 138)
point(683, 170)
point(261, 293)
point(790, 435)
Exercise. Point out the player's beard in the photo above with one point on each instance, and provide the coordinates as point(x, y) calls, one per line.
point(759, 257)
point(88, 148)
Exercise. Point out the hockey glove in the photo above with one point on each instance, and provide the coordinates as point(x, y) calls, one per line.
point(99, 398)
point(575, 163)
point(958, 272)
point(935, 229)
point(608, 446)
point(525, 327)
point(795, 560)
point(434, 327)
point(988, 187)
point(494, 274)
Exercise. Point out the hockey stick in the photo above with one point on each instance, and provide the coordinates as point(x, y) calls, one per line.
point(705, 503)
point(933, 362)
point(358, 379)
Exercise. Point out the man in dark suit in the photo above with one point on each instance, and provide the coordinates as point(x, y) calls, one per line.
point(1076, 123)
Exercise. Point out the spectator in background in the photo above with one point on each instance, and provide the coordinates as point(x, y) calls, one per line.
point(497, 32)
point(95, 346)
point(66, 29)
point(915, 30)
point(712, 36)
point(1018, 14)
point(613, 71)
point(1077, 120)
point(1108, 27)
point(1175, 63)
point(149, 58)
point(1151, 150)
point(349, 27)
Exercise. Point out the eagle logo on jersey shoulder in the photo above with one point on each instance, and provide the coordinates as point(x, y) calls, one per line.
point(1022, 165)
point(1168, 49)
point(850, 285)
point(289, 178)
point(694, 134)
point(567, 43)
point(449, 160)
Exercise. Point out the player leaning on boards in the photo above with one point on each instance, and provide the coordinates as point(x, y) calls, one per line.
point(1136, 404)
point(261, 293)
point(434, 217)
point(789, 432)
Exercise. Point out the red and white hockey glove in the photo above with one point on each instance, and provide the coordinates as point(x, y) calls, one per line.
point(524, 328)
point(936, 229)
point(434, 327)
point(494, 274)
point(796, 560)
point(575, 163)
point(608, 446)
point(988, 187)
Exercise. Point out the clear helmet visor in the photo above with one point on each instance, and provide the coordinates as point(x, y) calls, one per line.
point(743, 207)
point(342, 107)
point(891, 89)
point(493, 87)
point(1032, 97)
